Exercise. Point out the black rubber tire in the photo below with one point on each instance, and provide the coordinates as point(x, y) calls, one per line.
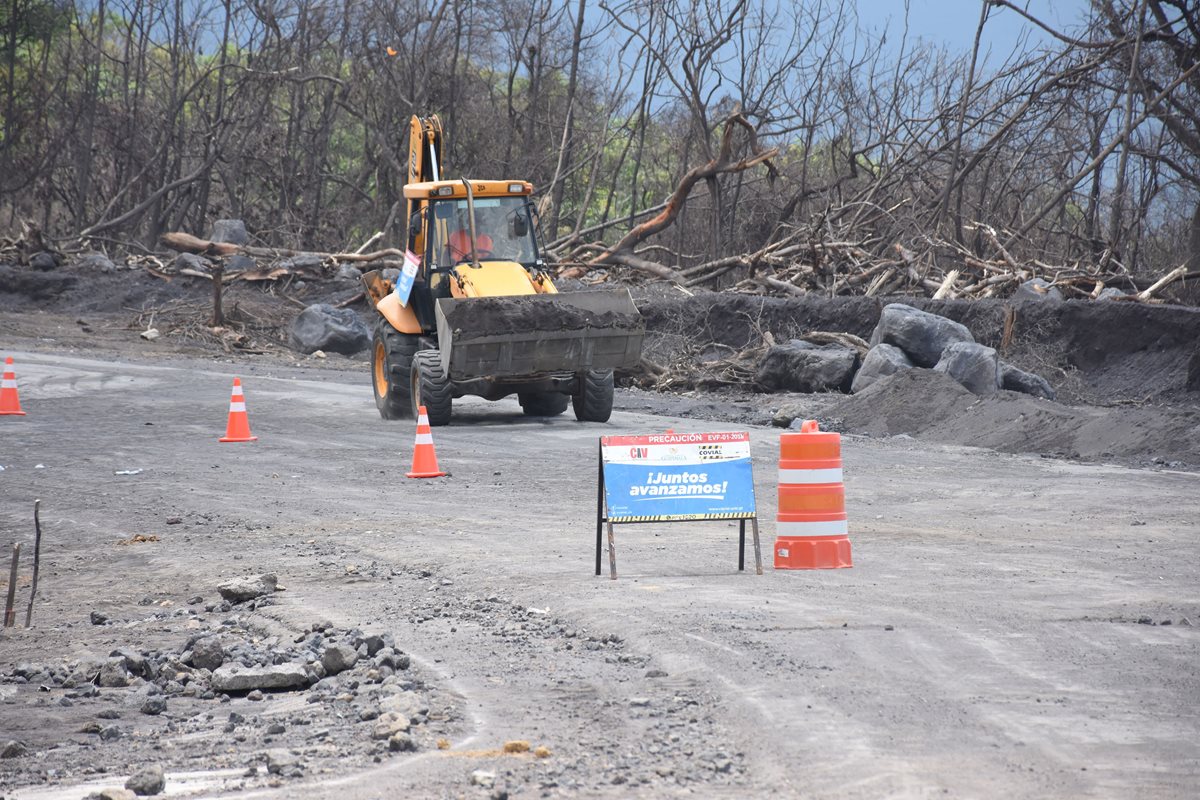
point(431, 388)
point(543, 404)
point(595, 399)
point(391, 363)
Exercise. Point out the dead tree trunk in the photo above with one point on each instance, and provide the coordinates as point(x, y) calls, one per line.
point(622, 253)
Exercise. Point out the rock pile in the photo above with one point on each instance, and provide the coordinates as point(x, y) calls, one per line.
point(360, 679)
point(904, 338)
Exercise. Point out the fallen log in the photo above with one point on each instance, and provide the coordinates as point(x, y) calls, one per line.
point(187, 243)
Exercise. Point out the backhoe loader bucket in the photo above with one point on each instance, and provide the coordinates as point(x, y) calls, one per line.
point(527, 335)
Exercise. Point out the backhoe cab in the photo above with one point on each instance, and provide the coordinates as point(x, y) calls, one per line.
point(482, 316)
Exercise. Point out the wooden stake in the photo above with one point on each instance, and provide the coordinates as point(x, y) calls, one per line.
point(10, 613)
point(37, 555)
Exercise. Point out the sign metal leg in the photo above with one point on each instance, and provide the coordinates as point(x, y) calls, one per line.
point(612, 554)
point(741, 545)
point(757, 548)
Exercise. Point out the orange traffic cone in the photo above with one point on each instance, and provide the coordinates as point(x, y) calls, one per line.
point(424, 458)
point(10, 403)
point(811, 526)
point(238, 427)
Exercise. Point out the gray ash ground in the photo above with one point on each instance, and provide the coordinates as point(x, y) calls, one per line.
point(143, 700)
point(146, 704)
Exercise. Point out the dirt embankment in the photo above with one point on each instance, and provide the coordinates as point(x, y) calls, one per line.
point(1127, 374)
point(1092, 352)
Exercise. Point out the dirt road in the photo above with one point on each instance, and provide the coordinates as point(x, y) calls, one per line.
point(1002, 633)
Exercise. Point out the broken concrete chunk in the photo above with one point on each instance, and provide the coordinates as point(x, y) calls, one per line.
point(236, 678)
point(975, 366)
point(1037, 289)
point(338, 657)
point(389, 724)
point(1017, 380)
point(239, 590)
point(801, 367)
point(147, 781)
point(113, 674)
point(882, 360)
point(207, 653)
point(407, 704)
point(922, 336)
point(323, 327)
point(154, 705)
point(280, 762)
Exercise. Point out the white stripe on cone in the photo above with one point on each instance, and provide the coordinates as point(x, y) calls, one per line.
point(424, 438)
point(8, 383)
point(804, 476)
point(423, 420)
point(830, 528)
point(236, 406)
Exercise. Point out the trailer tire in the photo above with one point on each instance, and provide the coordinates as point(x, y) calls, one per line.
point(595, 399)
point(431, 388)
point(543, 404)
point(391, 362)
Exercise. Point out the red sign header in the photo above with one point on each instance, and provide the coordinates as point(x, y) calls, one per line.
point(674, 438)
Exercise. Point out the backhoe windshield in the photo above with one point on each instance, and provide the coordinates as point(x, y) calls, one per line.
point(503, 231)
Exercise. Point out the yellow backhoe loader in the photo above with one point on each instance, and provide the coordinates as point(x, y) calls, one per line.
point(474, 312)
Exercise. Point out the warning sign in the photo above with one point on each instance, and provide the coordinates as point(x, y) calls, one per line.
point(666, 477)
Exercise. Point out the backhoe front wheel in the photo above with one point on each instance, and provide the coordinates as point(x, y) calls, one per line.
point(391, 362)
point(430, 387)
point(594, 401)
point(543, 404)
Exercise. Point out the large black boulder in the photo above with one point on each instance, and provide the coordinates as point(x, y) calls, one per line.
point(922, 336)
point(881, 360)
point(975, 366)
point(323, 327)
point(1018, 380)
point(801, 367)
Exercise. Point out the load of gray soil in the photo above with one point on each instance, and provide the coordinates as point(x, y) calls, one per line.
point(490, 316)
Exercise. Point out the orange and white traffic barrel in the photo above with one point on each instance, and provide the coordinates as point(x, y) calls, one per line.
point(811, 527)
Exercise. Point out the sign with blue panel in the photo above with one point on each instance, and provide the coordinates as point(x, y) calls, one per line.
point(686, 476)
point(408, 274)
point(674, 477)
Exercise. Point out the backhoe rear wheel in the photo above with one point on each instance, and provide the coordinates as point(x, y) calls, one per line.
point(543, 404)
point(430, 387)
point(391, 363)
point(595, 399)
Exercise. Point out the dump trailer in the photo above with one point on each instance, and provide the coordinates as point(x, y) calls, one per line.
point(474, 312)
